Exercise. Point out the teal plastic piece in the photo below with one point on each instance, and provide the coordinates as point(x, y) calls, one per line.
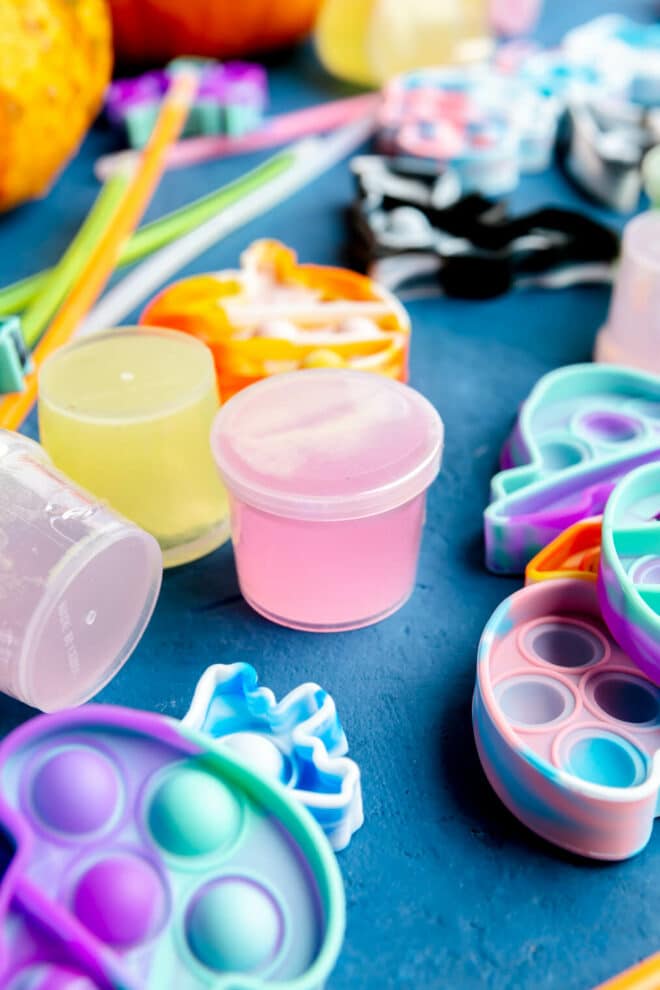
point(629, 576)
point(14, 357)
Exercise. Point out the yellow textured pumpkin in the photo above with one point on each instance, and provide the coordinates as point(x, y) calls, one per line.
point(55, 62)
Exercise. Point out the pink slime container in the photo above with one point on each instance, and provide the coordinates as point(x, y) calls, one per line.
point(78, 583)
point(327, 472)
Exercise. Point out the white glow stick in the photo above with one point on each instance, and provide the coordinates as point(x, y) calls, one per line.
point(313, 157)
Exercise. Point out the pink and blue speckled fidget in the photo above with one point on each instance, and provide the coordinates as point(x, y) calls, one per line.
point(582, 429)
point(566, 725)
point(145, 859)
point(566, 722)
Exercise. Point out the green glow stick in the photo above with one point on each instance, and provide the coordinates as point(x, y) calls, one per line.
point(158, 233)
point(60, 278)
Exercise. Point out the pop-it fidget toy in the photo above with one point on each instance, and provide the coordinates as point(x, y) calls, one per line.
point(575, 553)
point(145, 858)
point(629, 575)
point(298, 741)
point(231, 99)
point(567, 727)
point(581, 429)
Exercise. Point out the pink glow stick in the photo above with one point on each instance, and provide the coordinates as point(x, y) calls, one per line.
point(276, 130)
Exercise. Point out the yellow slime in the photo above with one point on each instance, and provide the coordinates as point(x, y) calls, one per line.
point(127, 414)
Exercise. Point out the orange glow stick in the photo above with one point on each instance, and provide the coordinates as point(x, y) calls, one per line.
point(644, 976)
point(15, 407)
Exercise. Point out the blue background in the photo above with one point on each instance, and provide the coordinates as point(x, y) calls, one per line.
point(444, 887)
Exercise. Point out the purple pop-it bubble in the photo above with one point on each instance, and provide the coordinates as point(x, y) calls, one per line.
point(76, 790)
point(121, 899)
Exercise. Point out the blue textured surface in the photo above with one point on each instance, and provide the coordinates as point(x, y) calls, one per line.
point(445, 889)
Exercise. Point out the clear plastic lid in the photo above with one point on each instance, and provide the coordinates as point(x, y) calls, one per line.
point(327, 444)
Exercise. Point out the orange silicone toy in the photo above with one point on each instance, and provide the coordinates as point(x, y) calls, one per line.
point(201, 306)
point(575, 553)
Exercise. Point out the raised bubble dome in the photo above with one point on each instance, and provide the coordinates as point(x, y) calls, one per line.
point(261, 754)
point(121, 900)
point(191, 813)
point(76, 790)
point(234, 925)
point(327, 444)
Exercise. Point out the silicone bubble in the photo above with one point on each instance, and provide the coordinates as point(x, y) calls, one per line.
point(235, 926)
point(121, 900)
point(76, 790)
point(192, 813)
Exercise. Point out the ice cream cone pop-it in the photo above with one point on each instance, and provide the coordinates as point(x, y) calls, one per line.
point(275, 315)
point(629, 576)
point(297, 741)
point(147, 859)
point(581, 430)
point(567, 727)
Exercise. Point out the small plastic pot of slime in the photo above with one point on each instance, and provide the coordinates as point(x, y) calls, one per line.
point(127, 414)
point(327, 472)
point(78, 583)
point(631, 335)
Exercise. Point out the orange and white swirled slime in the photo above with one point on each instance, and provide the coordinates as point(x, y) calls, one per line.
point(274, 315)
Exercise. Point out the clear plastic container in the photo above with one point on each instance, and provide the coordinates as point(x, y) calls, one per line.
point(127, 414)
point(327, 472)
point(631, 335)
point(78, 583)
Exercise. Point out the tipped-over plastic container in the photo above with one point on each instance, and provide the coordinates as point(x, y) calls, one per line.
point(78, 583)
point(631, 335)
point(327, 473)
